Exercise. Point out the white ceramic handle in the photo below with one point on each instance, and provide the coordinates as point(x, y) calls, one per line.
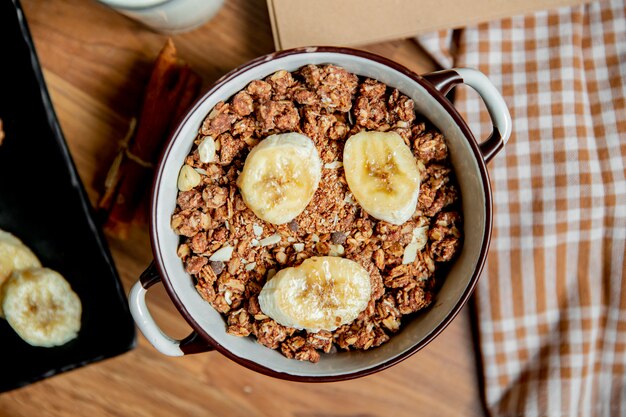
point(444, 81)
point(497, 108)
point(139, 310)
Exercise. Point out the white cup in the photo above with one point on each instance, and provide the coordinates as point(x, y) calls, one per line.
point(167, 16)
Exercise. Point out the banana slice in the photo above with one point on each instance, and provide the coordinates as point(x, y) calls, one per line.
point(280, 176)
point(14, 255)
point(322, 293)
point(382, 175)
point(41, 307)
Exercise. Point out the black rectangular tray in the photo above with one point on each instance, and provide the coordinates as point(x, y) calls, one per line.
point(43, 202)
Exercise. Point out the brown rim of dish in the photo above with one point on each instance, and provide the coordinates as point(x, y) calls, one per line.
point(444, 102)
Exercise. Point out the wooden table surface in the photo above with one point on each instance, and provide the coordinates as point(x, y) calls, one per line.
point(96, 63)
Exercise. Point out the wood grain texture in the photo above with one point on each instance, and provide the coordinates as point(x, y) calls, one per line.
point(96, 63)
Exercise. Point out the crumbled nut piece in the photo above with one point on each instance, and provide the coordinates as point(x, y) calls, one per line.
point(242, 103)
point(220, 235)
point(281, 258)
point(434, 194)
point(338, 130)
point(217, 267)
point(338, 238)
point(195, 263)
point(370, 109)
point(334, 86)
point(316, 122)
point(206, 290)
point(402, 234)
point(388, 314)
point(239, 323)
point(228, 282)
point(361, 336)
point(297, 347)
point(269, 333)
point(230, 148)
point(183, 251)
point(244, 129)
point(398, 277)
point(189, 223)
point(229, 294)
point(214, 196)
point(233, 266)
point(322, 248)
point(206, 150)
point(220, 303)
point(281, 115)
point(199, 243)
point(322, 340)
point(424, 264)
point(336, 250)
point(431, 147)
point(445, 236)
point(220, 124)
point(303, 96)
point(411, 298)
point(444, 196)
point(418, 128)
point(188, 178)
point(401, 107)
point(292, 345)
point(254, 307)
point(259, 90)
point(188, 200)
point(308, 353)
point(426, 196)
point(379, 258)
point(312, 75)
point(280, 81)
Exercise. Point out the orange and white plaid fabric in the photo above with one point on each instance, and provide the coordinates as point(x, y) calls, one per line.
point(551, 304)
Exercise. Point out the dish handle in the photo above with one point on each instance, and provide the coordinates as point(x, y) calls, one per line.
point(161, 342)
point(445, 80)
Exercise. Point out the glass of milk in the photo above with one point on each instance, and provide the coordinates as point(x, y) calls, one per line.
point(168, 16)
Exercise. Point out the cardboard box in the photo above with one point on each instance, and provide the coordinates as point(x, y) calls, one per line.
point(358, 22)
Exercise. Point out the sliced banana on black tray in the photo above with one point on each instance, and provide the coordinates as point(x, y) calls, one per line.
point(41, 307)
point(14, 256)
point(382, 174)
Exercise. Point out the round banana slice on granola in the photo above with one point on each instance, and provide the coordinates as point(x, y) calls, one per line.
point(41, 307)
point(280, 176)
point(322, 293)
point(14, 256)
point(382, 175)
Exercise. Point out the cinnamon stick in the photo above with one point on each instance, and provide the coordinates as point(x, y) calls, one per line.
point(1, 132)
point(170, 91)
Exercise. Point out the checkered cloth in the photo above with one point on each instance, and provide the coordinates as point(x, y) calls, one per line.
point(551, 303)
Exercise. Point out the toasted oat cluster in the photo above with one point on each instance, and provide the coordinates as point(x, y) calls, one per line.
point(231, 253)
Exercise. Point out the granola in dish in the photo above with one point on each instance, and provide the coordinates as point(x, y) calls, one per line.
point(231, 252)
